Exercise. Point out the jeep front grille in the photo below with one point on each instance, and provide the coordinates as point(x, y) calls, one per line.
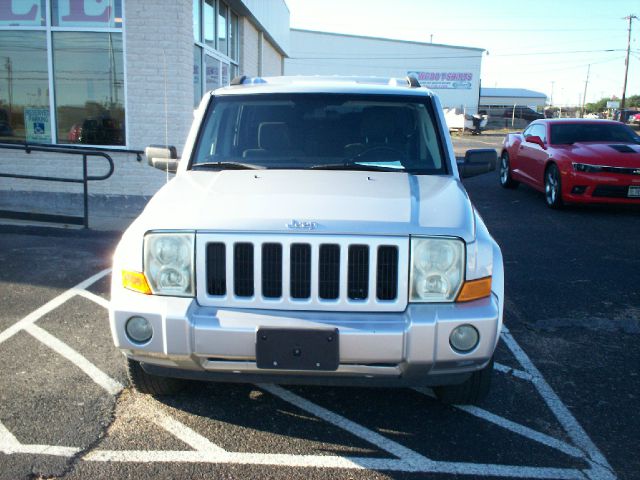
point(304, 272)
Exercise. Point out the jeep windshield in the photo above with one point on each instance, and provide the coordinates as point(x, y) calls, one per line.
point(389, 133)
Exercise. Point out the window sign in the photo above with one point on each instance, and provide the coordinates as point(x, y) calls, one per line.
point(37, 125)
point(87, 13)
point(22, 13)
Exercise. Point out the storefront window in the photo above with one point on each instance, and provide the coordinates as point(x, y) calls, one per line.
point(89, 86)
point(197, 75)
point(218, 25)
point(222, 27)
point(24, 87)
point(233, 36)
point(197, 28)
point(212, 77)
point(72, 93)
point(209, 14)
point(225, 74)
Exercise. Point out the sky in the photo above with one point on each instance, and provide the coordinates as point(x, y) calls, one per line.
point(546, 45)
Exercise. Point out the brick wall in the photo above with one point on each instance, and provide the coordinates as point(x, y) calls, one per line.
point(271, 60)
point(249, 51)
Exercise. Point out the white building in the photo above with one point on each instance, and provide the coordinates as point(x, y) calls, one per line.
point(509, 97)
point(450, 71)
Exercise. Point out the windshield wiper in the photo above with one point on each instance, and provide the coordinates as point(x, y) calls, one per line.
point(228, 165)
point(354, 166)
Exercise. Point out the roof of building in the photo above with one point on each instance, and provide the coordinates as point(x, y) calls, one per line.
point(425, 44)
point(510, 92)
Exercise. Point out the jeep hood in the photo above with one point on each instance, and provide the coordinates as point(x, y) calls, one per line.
point(338, 202)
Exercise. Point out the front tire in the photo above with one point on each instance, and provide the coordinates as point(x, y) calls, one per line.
point(144, 382)
point(471, 391)
point(553, 187)
point(506, 181)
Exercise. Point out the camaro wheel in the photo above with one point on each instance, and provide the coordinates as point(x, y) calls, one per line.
point(471, 391)
point(505, 174)
point(553, 187)
point(151, 384)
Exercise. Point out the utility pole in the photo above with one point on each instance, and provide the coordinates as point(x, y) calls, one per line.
point(630, 18)
point(584, 96)
point(551, 99)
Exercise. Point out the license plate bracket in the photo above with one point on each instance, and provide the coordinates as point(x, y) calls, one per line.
point(634, 191)
point(297, 349)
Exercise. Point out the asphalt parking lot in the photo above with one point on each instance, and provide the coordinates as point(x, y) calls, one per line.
point(563, 404)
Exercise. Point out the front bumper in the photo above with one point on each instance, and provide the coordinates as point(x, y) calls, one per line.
point(401, 348)
point(599, 188)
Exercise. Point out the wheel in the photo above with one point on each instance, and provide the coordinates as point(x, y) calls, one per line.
point(505, 173)
point(553, 187)
point(151, 384)
point(471, 391)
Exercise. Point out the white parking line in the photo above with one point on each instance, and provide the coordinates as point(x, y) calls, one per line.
point(103, 302)
point(512, 371)
point(407, 459)
point(560, 411)
point(186, 434)
point(9, 444)
point(98, 376)
point(514, 427)
point(50, 305)
point(370, 436)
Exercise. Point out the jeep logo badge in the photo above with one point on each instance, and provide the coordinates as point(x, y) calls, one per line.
point(301, 225)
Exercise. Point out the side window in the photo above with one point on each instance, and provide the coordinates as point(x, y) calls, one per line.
point(543, 133)
point(528, 131)
point(539, 131)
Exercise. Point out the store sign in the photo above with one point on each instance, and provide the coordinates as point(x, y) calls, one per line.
point(14, 13)
point(67, 13)
point(613, 104)
point(85, 13)
point(37, 125)
point(444, 80)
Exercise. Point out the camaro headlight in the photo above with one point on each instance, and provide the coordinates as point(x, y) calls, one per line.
point(437, 269)
point(168, 263)
point(585, 167)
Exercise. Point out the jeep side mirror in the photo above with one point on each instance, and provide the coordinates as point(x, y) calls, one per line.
point(477, 162)
point(162, 157)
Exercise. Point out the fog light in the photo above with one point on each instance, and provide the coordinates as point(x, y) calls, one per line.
point(464, 338)
point(138, 329)
point(578, 189)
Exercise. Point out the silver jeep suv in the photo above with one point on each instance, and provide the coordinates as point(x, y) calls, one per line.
point(317, 231)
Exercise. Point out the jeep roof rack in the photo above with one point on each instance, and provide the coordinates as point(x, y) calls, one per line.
point(410, 81)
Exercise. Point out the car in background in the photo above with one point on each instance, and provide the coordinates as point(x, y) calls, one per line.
point(635, 119)
point(574, 161)
point(522, 112)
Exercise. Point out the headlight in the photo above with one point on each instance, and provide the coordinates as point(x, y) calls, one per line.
point(437, 269)
point(168, 263)
point(585, 167)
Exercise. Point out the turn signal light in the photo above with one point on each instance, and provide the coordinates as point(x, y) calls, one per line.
point(135, 281)
point(475, 289)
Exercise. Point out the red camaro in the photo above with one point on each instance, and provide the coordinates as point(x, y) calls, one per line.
point(575, 161)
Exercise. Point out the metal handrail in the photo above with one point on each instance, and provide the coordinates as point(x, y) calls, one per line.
point(86, 178)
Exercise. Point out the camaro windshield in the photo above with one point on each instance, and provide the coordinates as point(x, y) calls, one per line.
point(320, 131)
point(568, 133)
